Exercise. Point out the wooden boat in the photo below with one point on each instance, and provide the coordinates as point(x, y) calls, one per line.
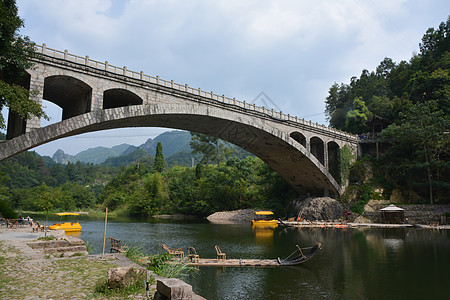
point(66, 226)
point(264, 218)
point(299, 258)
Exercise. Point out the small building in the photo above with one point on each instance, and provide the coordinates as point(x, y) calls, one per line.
point(393, 214)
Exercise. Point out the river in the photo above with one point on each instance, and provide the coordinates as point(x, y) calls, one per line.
point(352, 264)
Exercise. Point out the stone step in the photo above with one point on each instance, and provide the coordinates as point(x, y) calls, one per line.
point(65, 249)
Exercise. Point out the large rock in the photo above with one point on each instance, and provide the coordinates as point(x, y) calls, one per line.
point(318, 209)
point(231, 217)
point(174, 289)
point(124, 276)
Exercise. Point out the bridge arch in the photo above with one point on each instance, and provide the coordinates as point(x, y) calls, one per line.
point(71, 94)
point(334, 160)
point(302, 170)
point(317, 149)
point(295, 148)
point(117, 97)
point(299, 138)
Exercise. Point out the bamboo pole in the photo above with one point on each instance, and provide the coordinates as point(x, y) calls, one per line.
point(104, 233)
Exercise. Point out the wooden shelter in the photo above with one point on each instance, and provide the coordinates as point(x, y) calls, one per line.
point(393, 214)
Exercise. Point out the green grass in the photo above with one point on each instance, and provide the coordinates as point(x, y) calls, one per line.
point(163, 265)
point(103, 289)
point(46, 238)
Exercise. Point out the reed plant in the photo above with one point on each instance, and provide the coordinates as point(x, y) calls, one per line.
point(135, 252)
point(164, 265)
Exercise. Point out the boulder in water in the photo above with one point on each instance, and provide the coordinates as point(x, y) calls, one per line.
point(317, 209)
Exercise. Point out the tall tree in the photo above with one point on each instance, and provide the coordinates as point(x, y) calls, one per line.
point(212, 148)
point(15, 51)
point(159, 158)
point(420, 146)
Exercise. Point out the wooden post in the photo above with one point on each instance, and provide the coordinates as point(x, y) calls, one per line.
point(104, 233)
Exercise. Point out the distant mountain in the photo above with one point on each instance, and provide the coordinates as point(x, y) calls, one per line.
point(172, 141)
point(95, 155)
point(61, 157)
point(124, 160)
point(176, 151)
point(98, 155)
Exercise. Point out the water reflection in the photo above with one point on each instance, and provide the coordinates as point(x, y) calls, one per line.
point(353, 263)
point(263, 234)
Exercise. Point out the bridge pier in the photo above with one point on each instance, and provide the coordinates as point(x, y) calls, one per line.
point(36, 94)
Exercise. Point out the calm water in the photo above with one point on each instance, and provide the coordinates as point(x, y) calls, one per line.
point(353, 263)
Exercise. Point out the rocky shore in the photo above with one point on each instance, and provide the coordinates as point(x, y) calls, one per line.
point(325, 209)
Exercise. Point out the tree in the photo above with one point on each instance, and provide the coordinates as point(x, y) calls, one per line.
point(420, 145)
point(159, 158)
point(356, 118)
point(212, 148)
point(15, 51)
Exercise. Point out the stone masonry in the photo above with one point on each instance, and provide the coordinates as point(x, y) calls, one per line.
point(98, 96)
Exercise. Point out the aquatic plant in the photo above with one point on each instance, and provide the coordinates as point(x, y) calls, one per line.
point(134, 252)
point(163, 265)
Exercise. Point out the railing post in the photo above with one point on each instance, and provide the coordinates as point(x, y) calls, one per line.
point(199, 91)
point(106, 65)
point(65, 54)
point(44, 46)
point(157, 79)
point(86, 60)
point(186, 87)
point(141, 75)
point(171, 83)
point(124, 70)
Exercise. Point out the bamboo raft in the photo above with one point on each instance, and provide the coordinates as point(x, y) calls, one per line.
point(300, 258)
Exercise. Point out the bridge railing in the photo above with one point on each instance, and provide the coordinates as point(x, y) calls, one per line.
point(105, 66)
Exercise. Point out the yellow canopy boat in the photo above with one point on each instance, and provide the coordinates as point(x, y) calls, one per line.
point(67, 226)
point(264, 218)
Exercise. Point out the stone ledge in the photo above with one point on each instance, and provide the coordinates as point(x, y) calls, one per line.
point(171, 288)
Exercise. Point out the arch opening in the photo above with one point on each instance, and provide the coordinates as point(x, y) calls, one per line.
point(71, 94)
point(334, 161)
point(119, 97)
point(298, 137)
point(16, 125)
point(317, 149)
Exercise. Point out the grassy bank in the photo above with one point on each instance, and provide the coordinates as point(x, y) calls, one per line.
point(74, 278)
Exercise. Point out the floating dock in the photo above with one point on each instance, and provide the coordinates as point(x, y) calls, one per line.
point(299, 258)
point(202, 262)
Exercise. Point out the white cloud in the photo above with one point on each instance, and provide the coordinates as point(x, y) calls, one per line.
point(292, 50)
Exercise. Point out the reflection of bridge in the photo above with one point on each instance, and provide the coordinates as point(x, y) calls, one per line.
point(97, 96)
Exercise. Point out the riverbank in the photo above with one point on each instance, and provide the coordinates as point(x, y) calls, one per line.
point(26, 273)
point(318, 224)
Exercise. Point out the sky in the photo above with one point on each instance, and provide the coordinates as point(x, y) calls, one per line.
point(292, 51)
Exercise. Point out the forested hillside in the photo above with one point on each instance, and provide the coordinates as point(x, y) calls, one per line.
point(414, 98)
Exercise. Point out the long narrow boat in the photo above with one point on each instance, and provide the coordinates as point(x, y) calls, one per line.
point(298, 259)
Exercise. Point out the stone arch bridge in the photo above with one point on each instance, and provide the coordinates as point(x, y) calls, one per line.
point(96, 96)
